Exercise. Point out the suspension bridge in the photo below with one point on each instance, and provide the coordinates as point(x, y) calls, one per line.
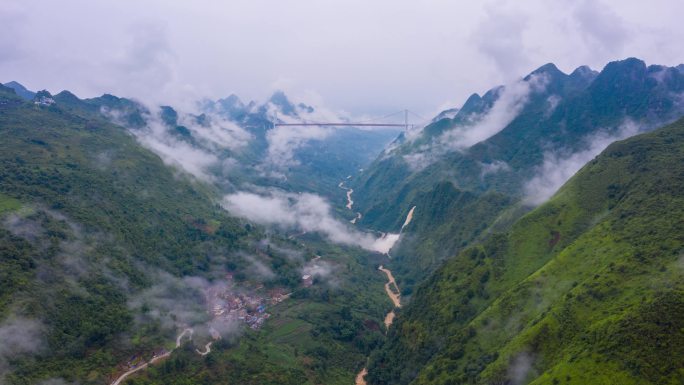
point(375, 122)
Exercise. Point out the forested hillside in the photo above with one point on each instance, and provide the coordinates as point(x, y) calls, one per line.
point(587, 288)
point(107, 254)
point(505, 151)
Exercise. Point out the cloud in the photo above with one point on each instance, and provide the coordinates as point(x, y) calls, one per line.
point(493, 167)
point(499, 37)
point(258, 268)
point(216, 132)
point(13, 20)
point(211, 138)
point(322, 271)
point(175, 152)
point(147, 62)
point(519, 368)
point(396, 51)
point(284, 141)
point(174, 302)
point(304, 212)
point(510, 100)
point(601, 27)
point(54, 381)
point(19, 336)
point(560, 165)
point(23, 227)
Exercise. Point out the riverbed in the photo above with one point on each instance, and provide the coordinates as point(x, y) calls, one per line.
point(393, 295)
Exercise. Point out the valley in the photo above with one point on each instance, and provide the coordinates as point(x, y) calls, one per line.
point(530, 236)
point(392, 291)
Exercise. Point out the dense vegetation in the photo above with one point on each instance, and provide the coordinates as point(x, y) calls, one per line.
point(560, 115)
point(105, 251)
point(91, 223)
point(587, 288)
point(322, 336)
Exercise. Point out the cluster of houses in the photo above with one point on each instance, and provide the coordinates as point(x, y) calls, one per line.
point(228, 305)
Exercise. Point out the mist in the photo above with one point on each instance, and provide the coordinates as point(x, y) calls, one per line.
point(180, 302)
point(560, 165)
point(304, 212)
point(519, 368)
point(284, 141)
point(216, 135)
point(19, 336)
point(510, 100)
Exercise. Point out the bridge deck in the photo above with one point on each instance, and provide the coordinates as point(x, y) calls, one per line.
point(343, 124)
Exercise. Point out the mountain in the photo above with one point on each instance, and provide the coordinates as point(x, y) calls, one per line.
point(118, 244)
point(20, 90)
point(586, 288)
point(107, 254)
point(506, 151)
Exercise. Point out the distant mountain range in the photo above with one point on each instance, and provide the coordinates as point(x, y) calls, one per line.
point(228, 131)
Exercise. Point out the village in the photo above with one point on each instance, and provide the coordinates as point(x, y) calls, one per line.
point(225, 305)
point(229, 305)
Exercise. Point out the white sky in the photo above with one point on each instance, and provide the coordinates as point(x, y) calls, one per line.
point(361, 56)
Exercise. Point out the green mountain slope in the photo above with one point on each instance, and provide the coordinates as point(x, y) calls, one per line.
point(559, 114)
point(87, 214)
point(89, 218)
point(106, 254)
point(587, 288)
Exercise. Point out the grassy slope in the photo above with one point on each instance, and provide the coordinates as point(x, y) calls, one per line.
point(585, 289)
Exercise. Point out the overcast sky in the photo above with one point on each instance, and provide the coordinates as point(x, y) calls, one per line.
point(360, 56)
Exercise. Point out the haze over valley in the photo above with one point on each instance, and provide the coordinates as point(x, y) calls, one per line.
point(341, 192)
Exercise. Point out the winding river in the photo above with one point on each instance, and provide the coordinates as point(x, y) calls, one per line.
point(392, 290)
point(350, 202)
point(389, 318)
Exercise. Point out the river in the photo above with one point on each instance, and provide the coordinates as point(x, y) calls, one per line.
point(350, 202)
point(395, 297)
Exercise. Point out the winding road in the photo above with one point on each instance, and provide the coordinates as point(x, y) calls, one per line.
point(154, 359)
point(207, 349)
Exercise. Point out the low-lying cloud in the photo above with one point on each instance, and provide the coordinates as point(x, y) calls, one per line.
point(560, 165)
point(322, 271)
point(177, 303)
point(510, 101)
point(305, 212)
point(284, 141)
point(18, 336)
point(508, 105)
point(519, 368)
point(210, 140)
